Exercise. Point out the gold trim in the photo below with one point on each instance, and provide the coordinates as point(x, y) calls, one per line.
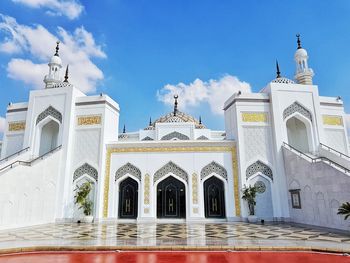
point(332, 120)
point(254, 116)
point(17, 126)
point(235, 181)
point(89, 120)
point(194, 189)
point(146, 190)
point(172, 149)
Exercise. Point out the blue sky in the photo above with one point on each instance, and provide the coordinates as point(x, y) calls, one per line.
point(138, 52)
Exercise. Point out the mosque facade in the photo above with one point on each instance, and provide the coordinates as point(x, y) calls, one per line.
point(287, 140)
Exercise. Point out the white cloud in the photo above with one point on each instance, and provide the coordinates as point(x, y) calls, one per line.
point(69, 8)
point(77, 49)
point(213, 92)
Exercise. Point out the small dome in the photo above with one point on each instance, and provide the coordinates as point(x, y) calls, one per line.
point(283, 80)
point(56, 60)
point(300, 53)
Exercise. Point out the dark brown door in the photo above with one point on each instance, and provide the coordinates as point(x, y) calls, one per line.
point(128, 195)
point(214, 198)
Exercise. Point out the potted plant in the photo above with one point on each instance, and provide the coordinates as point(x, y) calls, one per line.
point(82, 198)
point(344, 209)
point(249, 194)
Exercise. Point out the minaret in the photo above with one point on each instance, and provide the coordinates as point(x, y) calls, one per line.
point(55, 66)
point(303, 74)
point(278, 72)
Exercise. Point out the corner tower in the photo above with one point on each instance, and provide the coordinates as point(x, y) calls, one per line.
point(303, 74)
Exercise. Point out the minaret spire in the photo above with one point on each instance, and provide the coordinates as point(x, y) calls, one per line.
point(124, 130)
point(57, 48)
point(66, 75)
point(200, 120)
point(298, 41)
point(175, 104)
point(278, 70)
point(150, 121)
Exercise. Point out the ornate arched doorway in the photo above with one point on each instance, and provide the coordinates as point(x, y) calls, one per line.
point(297, 134)
point(128, 197)
point(214, 198)
point(48, 137)
point(171, 198)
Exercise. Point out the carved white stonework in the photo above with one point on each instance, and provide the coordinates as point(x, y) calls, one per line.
point(297, 107)
point(257, 143)
point(128, 169)
point(170, 167)
point(85, 169)
point(50, 111)
point(175, 135)
point(87, 146)
point(259, 167)
point(213, 167)
point(335, 138)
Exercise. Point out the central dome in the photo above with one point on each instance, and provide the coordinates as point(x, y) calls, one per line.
point(178, 117)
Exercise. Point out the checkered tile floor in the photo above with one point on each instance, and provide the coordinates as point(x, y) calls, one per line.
point(174, 236)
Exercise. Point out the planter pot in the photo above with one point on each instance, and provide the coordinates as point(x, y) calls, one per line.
point(252, 219)
point(87, 219)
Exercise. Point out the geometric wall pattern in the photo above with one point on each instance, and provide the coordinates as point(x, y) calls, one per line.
point(170, 167)
point(85, 169)
point(194, 189)
point(146, 190)
point(259, 167)
point(128, 169)
point(257, 143)
point(213, 167)
point(175, 135)
point(296, 107)
point(50, 111)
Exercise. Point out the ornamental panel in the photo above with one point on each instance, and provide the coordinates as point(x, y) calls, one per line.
point(202, 137)
point(50, 111)
point(128, 169)
point(260, 187)
point(17, 126)
point(146, 189)
point(332, 120)
point(85, 169)
point(259, 167)
point(175, 135)
point(254, 117)
point(170, 167)
point(147, 138)
point(194, 189)
point(89, 120)
point(296, 107)
point(213, 167)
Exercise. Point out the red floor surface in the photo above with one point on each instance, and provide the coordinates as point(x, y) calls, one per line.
point(171, 257)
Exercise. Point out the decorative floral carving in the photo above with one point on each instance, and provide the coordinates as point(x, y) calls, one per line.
point(260, 187)
point(85, 169)
point(170, 167)
point(213, 167)
point(50, 111)
point(175, 135)
point(259, 167)
point(297, 107)
point(128, 169)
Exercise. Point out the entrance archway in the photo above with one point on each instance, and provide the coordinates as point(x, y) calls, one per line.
point(48, 137)
point(171, 198)
point(214, 198)
point(297, 133)
point(128, 196)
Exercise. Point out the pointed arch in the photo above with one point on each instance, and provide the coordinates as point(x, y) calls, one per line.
point(175, 135)
point(128, 169)
point(297, 107)
point(256, 167)
point(213, 167)
point(50, 111)
point(85, 169)
point(147, 138)
point(170, 167)
point(202, 137)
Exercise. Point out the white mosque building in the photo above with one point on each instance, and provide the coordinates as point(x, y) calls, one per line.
point(287, 140)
